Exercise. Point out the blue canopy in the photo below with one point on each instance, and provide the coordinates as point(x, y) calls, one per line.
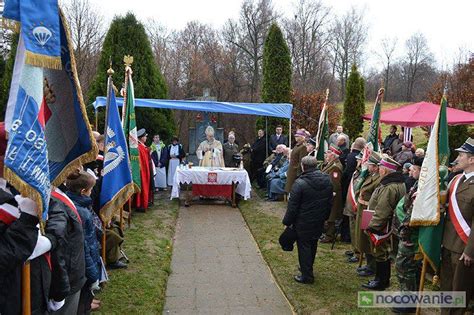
point(260, 109)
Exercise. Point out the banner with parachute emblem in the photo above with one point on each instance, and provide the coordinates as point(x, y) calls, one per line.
point(49, 132)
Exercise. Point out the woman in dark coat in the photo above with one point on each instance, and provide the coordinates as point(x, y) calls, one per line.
point(258, 154)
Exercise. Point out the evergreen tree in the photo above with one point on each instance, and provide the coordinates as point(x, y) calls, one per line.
point(354, 104)
point(127, 36)
point(6, 76)
point(362, 97)
point(276, 84)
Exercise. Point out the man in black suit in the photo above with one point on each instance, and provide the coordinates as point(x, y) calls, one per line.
point(276, 139)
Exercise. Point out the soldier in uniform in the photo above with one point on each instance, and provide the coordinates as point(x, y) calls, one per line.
point(384, 201)
point(333, 168)
point(407, 262)
point(298, 152)
point(457, 263)
point(363, 196)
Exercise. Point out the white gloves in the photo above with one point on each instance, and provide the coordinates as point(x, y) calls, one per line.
point(43, 245)
point(26, 205)
point(95, 286)
point(54, 306)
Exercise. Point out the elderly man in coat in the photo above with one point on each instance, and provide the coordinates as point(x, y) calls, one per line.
point(298, 152)
point(308, 207)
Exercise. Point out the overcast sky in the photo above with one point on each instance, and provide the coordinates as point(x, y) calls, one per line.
point(448, 25)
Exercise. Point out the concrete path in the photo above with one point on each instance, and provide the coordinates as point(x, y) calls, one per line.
point(217, 267)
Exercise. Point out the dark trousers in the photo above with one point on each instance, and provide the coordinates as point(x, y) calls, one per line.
point(455, 276)
point(306, 254)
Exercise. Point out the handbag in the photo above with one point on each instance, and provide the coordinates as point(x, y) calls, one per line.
point(288, 238)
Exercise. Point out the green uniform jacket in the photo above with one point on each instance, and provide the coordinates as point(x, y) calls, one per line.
point(384, 200)
point(334, 170)
point(363, 196)
point(451, 239)
point(294, 169)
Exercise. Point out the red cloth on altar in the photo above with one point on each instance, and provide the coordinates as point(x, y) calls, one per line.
point(141, 199)
point(212, 190)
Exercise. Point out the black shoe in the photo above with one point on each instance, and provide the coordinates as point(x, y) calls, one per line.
point(117, 265)
point(353, 259)
point(326, 240)
point(374, 285)
point(300, 279)
point(362, 268)
point(404, 310)
point(349, 253)
point(365, 273)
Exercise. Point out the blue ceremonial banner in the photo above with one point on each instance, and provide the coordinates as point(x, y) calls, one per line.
point(26, 158)
point(38, 22)
point(117, 184)
point(49, 132)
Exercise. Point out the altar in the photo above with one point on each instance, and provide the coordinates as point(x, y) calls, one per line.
point(212, 182)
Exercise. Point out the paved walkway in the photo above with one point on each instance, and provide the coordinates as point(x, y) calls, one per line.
point(217, 267)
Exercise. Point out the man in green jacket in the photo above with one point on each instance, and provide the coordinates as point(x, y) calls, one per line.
point(383, 202)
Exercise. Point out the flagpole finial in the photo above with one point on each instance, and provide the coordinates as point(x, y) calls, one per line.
point(110, 71)
point(128, 60)
point(445, 90)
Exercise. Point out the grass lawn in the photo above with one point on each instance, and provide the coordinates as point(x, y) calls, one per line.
point(141, 288)
point(336, 284)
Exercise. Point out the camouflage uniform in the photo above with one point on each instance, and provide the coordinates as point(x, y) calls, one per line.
point(407, 262)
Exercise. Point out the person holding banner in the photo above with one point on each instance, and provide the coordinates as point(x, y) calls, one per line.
point(383, 202)
point(18, 237)
point(363, 197)
point(457, 264)
point(407, 262)
point(142, 198)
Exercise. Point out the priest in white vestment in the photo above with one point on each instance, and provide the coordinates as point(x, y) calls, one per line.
point(209, 152)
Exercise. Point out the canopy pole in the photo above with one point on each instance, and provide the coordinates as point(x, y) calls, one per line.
point(266, 135)
point(289, 135)
point(96, 120)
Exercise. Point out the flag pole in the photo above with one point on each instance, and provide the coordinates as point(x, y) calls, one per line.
point(127, 60)
point(422, 283)
point(26, 288)
point(110, 72)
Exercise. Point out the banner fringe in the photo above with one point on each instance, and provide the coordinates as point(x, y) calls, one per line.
point(26, 190)
point(43, 61)
point(121, 197)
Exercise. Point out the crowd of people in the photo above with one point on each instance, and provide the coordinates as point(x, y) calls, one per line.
point(66, 264)
point(369, 203)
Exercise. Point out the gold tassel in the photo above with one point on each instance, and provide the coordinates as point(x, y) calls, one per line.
point(110, 208)
point(43, 61)
point(25, 189)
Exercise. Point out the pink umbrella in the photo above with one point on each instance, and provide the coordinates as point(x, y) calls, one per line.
point(422, 114)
